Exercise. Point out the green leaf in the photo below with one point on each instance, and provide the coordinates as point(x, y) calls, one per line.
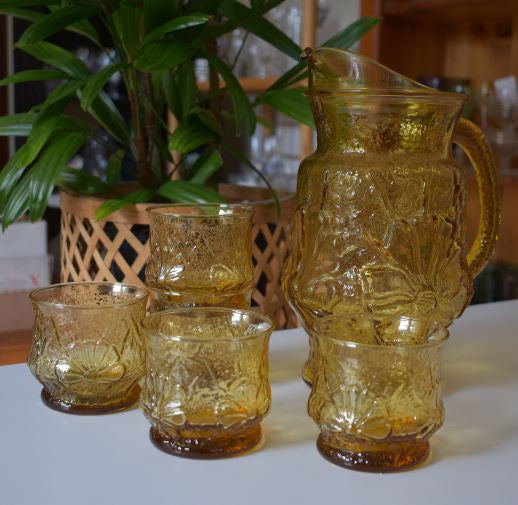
point(33, 75)
point(175, 24)
point(291, 102)
point(258, 25)
point(171, 94)
point(17, 125)
point(69, 124)
point(109, 117)
point(55, 21)
point(45, 172)
point(187, 89)
point(26, 3)
point(83, 27)
point(114, 204)
point(207, 118)
point(44, 125)
point(189, 136)
point(46, 122)
point(270, 4)
point(292, 76)
point(96, 83)
point(165, 154)
point(86, 29)
point(128, 20)
point(243, 159)
point(345, 38)
point(257, 4)
point(57, 57)
point(243, 110)
point(20, 125)
point(17, 203)
point(114, 167)
point(155, 11)
point(205, 166)
point(211, 32)
point(205, 6)
point(26, 14)
point(9, 176)
point(162, 55)
point(188, 192)
point(82, 182)
point(66, 91)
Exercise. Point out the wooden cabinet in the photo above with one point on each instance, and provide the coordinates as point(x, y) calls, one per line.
point(476, 39)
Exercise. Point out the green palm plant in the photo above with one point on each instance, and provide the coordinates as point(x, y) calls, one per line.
point(156, 43)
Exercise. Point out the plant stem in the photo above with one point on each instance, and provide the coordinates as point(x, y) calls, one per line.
point(238, 54)
point(143, 175)
point(150, 124)
point(213, 80)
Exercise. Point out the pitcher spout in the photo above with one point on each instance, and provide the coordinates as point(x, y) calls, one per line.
point(362, 106)
point(336, 70)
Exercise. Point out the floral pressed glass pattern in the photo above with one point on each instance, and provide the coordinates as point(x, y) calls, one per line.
point(200, 256)
point(206, 389)
point(379, 224)
point(376, 390)
point(88, 350)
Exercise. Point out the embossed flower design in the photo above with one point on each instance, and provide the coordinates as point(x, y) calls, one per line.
point(87, 364)
point(422, 259)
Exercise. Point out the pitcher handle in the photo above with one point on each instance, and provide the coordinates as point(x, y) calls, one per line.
point(472, 141)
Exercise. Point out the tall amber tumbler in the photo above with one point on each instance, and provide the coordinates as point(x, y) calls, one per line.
point(376, 394)
point(206, 388)
point(87, 348)
point(201, 255)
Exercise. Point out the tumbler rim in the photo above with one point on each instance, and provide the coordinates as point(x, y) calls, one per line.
point(146, 323)
point(347, 342)
point(141, 293)
point(241, 210)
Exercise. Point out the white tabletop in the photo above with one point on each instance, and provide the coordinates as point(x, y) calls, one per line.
point(54, 458)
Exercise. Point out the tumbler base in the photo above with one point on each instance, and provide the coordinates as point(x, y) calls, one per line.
point(89, 409)
point(211, 447)
point(387, 456)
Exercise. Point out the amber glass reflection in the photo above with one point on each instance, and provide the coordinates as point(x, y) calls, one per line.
point(379, 225)
point(87, 348)
point(200, 256)
point(206, 389)
point(376, 392)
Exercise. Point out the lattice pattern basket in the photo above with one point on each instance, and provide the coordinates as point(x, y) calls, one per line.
point(116, 250)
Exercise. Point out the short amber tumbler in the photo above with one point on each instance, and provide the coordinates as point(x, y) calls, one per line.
point(376, 394)
point(206, 388)
point(201, 256)
point(88, 347)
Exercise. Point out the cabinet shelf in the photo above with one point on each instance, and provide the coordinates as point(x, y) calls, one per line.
point(250, 84)
point(449, 10)
point(474, 39)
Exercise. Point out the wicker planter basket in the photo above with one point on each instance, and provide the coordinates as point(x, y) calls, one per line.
point(116, 250)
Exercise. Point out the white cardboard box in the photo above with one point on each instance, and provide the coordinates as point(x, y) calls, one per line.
point(24, 273)
point(24, 239)
point(24, 262)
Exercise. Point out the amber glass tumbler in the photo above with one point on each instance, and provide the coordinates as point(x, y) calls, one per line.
point(201, 256)
point(88, 347)
point(206, 388)
point(376, 394)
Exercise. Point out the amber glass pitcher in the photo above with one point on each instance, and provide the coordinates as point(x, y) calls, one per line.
point(379, 225)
